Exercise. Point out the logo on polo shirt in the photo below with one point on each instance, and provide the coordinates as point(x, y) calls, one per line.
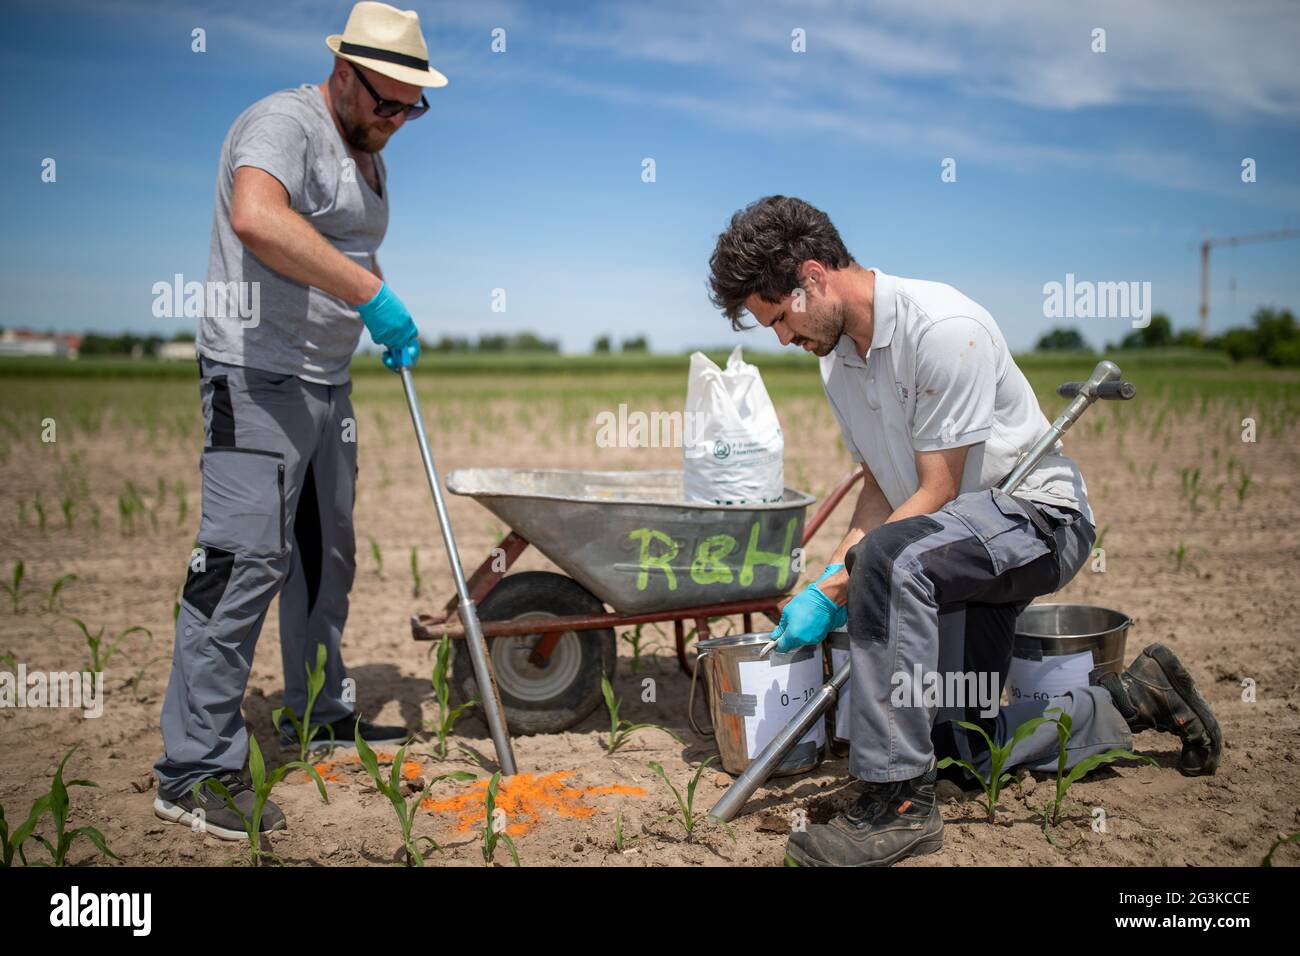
point(902, 391)
point(721, 449)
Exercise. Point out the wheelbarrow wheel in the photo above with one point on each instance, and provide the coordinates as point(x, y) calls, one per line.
point(549, 699)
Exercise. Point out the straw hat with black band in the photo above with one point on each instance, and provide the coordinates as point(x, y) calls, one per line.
point(388, 41)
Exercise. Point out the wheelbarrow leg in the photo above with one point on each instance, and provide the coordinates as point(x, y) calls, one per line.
point(679, 632)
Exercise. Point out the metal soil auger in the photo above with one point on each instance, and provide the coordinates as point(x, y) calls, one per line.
point(1104, 383)
point(487, 696)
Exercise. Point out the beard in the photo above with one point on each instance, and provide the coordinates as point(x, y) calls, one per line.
point(361, 136)
point(827, 330)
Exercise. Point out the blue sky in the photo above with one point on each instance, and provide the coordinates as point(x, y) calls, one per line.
point(526, 173)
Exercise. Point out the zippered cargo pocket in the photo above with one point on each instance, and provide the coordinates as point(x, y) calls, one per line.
point(243, 501)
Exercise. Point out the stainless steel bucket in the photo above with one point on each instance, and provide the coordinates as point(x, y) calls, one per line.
point(752, 697)
point(1062, 646)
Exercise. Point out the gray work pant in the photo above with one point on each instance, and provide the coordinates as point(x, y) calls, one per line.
point(939, 594)
point(279, 469)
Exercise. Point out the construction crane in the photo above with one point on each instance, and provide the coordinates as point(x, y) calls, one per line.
point(1210, 241)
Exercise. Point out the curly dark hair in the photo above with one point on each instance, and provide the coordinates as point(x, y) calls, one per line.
point(761, 249)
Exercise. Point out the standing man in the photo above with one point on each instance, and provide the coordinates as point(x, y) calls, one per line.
point(301, 208)
point(936, 566)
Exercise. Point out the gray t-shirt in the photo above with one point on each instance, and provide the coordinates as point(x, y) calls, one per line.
point(295, 328)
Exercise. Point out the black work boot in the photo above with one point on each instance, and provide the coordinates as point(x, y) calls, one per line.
point(889, 822)
point(1157, 693)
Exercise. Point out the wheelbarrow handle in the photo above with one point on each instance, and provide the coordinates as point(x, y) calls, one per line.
point(1121, 391)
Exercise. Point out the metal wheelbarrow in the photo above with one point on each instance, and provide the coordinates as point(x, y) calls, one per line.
point(626, 539)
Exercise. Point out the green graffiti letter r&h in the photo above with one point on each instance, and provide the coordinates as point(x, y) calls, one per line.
point(777, 559)
point(709, 565)
point(661, 561)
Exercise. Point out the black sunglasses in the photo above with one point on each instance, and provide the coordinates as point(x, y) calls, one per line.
point(387, 108)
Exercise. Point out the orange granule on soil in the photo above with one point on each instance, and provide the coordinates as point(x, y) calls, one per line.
point(326, 768)
point(525, 798)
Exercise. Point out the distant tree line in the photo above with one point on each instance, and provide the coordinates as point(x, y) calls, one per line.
point(604, 346)
point(127, 343)
point(1272, 336)
point(515, 342)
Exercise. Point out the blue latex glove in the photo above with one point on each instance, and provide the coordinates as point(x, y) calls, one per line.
point(388, 320)
point(808, 618)
point(403, 357)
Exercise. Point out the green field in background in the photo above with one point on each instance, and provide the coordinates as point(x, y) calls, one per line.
point(150, 393)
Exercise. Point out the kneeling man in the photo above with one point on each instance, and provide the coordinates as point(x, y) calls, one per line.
point(936, 564)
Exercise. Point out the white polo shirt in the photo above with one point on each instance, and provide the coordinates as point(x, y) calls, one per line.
point(938, 375)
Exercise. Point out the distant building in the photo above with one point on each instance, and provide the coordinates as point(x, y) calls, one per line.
point(177, 351)
point(28, 342)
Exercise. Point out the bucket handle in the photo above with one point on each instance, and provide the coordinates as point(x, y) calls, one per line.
point(690, 701)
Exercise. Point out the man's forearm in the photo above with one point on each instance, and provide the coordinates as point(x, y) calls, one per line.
point(871, 512)
point(287, 243)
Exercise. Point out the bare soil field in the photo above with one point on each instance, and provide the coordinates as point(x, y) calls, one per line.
point(1204, 560)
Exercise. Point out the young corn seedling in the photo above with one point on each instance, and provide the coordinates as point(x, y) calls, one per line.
point(126, 512)
point(67, 504)
point(58, 804)
point(1277, 844)
point(1181, 557)
point(262, 787)
point(182, 504)
point(494, 826)
point(415, 573)
point(472, 756)
point(633, 640)
point(379, 558)
point(1101, 537)
point(392, 789)
point(12, 844)
point(41, 518)
point(620, 731)
point(14, 587)
point(101, 649)
point(447, 714)
point(618, 831)
point(997, 760)
point(1192, 486)
point(52, 603)
point(1241, 487)
point(1064, 729)
point(303, 729)
point(687, 820)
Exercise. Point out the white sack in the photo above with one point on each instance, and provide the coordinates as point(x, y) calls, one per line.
point(734, 452)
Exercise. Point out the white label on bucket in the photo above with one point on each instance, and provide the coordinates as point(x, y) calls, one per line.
point(1050, 677)
point(780, 689)
point(843, 708)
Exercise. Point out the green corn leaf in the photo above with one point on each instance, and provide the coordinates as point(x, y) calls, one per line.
point(256, 765)
point(370, 762)
point(1088, 764)
point(95, 837)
